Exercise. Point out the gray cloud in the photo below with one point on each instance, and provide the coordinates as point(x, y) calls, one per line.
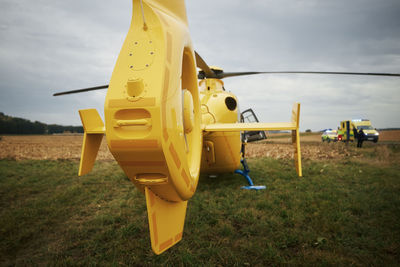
point(48, 46)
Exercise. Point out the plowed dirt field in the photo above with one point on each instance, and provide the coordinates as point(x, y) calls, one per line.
point(276, 146)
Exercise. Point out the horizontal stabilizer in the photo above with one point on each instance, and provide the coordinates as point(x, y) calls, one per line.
point(292, 126)
point(91, 121)
point(166, 221)
point(254, 126)
point(94, 131)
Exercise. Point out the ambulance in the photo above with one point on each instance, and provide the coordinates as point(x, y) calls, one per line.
point(346, 130)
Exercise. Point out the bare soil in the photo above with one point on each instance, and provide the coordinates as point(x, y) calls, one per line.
point(47, 147)
point(384, 136)
point(311, 151)
point(277, 146)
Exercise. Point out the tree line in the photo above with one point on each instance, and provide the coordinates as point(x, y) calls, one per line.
point(13, 125)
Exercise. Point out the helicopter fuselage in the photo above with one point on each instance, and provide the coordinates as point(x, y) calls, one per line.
point(221, 150)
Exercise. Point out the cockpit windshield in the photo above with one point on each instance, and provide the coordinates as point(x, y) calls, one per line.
point(364, 127)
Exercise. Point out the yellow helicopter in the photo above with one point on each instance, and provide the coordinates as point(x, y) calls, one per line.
point(164, 126)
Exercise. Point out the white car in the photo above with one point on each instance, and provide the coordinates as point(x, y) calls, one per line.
point(329, 135)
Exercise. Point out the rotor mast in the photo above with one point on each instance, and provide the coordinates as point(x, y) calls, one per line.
point(211, 85)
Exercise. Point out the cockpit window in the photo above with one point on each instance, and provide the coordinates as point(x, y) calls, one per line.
point(364, 127)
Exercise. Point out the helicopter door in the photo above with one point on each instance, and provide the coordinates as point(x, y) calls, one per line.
point(249, 116)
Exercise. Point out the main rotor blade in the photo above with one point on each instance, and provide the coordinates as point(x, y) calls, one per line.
point(203, 65)
point(82, 90)
point(233, 74)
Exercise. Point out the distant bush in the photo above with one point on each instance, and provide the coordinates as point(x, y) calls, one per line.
point(13, 125)
point(308, 131)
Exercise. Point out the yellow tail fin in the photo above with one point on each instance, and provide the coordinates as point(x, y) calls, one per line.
point(94, 131)
point(166, 221)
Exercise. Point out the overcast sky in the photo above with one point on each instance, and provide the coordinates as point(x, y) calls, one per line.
point(49, 45)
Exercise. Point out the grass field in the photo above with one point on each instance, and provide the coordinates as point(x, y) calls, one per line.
point(344, 211)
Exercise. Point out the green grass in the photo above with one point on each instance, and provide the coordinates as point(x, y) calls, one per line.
point(340, 213)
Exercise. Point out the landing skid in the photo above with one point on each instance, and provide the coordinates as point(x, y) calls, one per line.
point(245, 173)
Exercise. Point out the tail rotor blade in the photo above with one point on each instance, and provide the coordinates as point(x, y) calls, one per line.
point(82, 90)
